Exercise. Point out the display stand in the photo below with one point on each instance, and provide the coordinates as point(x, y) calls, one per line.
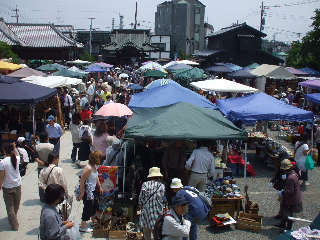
point(229, 205)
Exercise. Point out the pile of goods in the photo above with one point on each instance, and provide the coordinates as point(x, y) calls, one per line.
point(222, 220)
point(223, 188)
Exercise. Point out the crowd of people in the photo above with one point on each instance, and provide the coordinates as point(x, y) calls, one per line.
point(170, 188)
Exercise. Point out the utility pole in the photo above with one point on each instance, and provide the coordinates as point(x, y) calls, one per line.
point(16, 11)
point(262, 20)
point(121, 22)
point(135, 16)
point(90, 35)
point(113, 20)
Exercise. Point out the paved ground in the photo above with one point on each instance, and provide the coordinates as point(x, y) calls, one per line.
point(259, 191)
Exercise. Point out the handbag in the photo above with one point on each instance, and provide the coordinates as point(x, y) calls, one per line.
point(309, 163)
point(22, 165)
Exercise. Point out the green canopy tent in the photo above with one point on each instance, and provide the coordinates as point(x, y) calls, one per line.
point(154, 73)
point(181, 121)
point(69, 73)
point(184, 77)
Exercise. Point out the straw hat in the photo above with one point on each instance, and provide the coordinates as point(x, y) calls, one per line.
point(286, 164)
point(176, 183)
point(154, 172)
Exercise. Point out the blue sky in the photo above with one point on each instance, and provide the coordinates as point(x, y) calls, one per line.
point(282, 22)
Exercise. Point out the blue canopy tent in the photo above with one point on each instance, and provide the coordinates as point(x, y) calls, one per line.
point(310, 71)
point(14, 91)
point(261, 106)
point(160, 83)
point(313, 97)
point(167, 95)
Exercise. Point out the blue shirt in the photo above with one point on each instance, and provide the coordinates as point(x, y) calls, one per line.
point(197, 209)
point(54, 131)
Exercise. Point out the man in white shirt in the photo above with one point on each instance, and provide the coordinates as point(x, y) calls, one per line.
point(67, 107)
point(91, 90)
point(201, 164)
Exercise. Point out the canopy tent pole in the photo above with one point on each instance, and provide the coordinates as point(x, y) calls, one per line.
point(34, 125)
point(245, 161)
point(124, 166)
point(312, 135)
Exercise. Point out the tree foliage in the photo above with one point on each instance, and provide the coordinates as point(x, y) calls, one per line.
point(306, 53)
point(6, 52)
point(85, 56)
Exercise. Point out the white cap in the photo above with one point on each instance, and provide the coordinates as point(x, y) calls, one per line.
point(176, 183)
point(21, 139)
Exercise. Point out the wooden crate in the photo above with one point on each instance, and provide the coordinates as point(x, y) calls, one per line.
point(222, 208)
point(117, 235)
point(247, 221)
point(100, 233)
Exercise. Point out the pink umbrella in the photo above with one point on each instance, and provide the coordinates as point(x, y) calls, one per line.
point(113, 110)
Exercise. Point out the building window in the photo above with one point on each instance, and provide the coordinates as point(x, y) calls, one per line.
point(161, 46)
point(198, 10)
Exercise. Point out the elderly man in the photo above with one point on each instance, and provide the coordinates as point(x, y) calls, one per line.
point(54, 131)
point(201, 164)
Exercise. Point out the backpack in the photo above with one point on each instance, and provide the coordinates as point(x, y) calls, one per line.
point(157, 230)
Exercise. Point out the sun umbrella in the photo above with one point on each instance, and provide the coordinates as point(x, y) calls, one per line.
point(75, 69)
point(104, 65)
point(152, 66)
point(51, 67)
point(123, 75)
point(154, 73)
point(9, 66)
point(95, 68)
point(134, 86)
point(69, 73)
point(26, 72)
point(178, 66)
point(112, 110)
point(160, 83)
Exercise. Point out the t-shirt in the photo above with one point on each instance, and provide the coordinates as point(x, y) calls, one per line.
point(299, 156)
point(24, 154)
point(86, 115)
point(43, 150)
point(12, 176)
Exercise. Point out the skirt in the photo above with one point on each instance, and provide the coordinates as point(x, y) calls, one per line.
point(84, 151)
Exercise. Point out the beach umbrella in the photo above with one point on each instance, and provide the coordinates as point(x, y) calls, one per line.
point(69, 73)
point(154, 73)
point(95, 68)
point(5, 66)
point(219, 69)
point(78, 62)
point(26, 72)
point(75, 69)
point(112, 110)
point(104, 65)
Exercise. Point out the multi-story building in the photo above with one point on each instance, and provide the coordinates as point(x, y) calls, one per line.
point(184, 21)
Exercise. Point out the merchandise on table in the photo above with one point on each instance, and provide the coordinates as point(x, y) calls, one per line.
point(223, 188)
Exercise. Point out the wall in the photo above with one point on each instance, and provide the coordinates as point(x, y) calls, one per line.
point(161, 41)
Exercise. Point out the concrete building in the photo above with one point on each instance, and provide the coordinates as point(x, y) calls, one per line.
point(163, 43)
point(184, 21)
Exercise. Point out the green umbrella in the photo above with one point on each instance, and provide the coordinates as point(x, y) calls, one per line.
point(51, 67)
point(194, 74)
point(69, 73)
point(154, 73)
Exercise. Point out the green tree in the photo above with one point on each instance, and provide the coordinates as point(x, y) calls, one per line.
point(85, 56)
point(307, 52)
point(6, 52)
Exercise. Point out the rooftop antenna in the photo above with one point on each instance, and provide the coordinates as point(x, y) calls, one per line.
point(16, 10)
point(113, 21)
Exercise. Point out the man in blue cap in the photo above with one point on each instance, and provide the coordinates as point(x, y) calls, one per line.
point(197, 211)
point(175, 227)
point(54, 131)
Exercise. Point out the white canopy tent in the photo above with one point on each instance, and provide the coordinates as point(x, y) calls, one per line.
point(52, 81)
point(223, 85)
point(188, 62)
point(78, 62)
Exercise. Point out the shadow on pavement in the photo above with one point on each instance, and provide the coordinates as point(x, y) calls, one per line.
point(34, 231)
point(4, 224)
point(32, 202)
point(66, 160)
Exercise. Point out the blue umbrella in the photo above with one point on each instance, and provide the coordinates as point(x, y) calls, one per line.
point(161, 83)
point(96, 68)
point(134, 86)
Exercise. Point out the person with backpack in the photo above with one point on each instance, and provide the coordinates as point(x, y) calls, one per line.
point(197, 211)
point(151, 201)
point(175, 226)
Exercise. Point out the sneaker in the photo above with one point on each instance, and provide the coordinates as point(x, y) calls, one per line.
point(86, 229)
